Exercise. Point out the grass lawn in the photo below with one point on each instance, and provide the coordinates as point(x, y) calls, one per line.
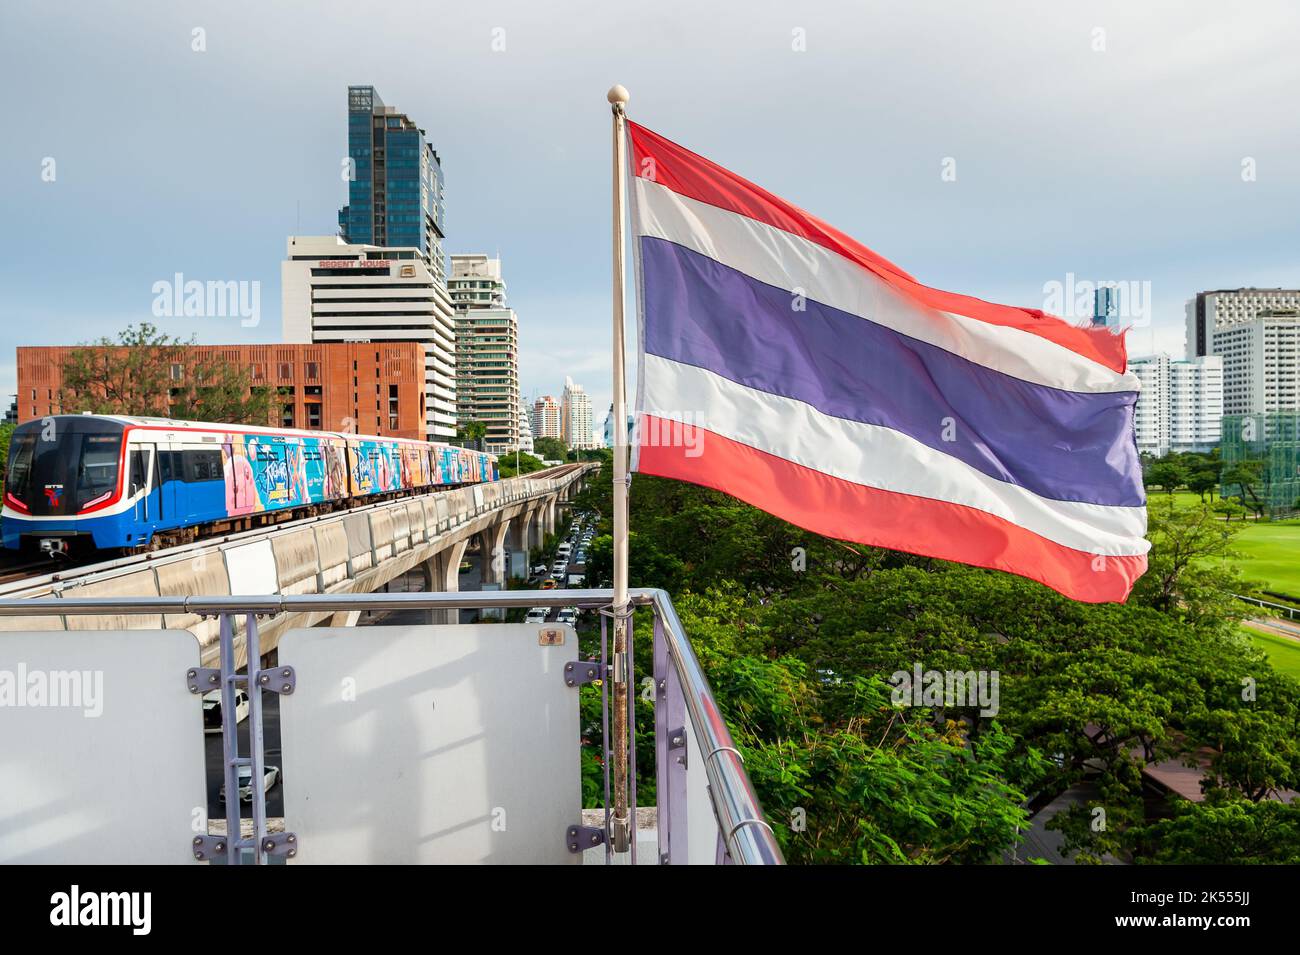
point(1271, 553)
point(1282, 653)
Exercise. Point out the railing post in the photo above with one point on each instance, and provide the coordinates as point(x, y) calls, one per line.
point(670, 760)
point(253, 644)
point(230, 739)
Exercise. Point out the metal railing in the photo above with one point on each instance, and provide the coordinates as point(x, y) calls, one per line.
point(1268, 605)
point(744, 836)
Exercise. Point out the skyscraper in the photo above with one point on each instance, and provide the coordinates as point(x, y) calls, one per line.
point(395, 195)
point(1105, 307)
point(487, 350)
point(575, 416)
point(546, 418)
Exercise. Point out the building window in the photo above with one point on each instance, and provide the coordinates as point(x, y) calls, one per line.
point(312, 371)
point(286, 416)
point(286, 371)
point(177, 371)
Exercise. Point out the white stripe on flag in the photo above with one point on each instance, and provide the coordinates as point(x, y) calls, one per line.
point(874, 456)
point(787, 261)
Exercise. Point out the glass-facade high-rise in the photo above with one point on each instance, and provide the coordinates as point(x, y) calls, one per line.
point(395, 197)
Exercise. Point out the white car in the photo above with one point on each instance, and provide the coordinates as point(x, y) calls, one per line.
point(270, 776)
point(212, 709)
point(567, 615)
point(558, 571)
point(536, 615)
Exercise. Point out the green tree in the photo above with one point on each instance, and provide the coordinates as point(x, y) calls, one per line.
point(146, 372)
point(527, 465)
point(471, 433)
point(1166, 474)
point(6, 432)
point(1229, 831)
point(550, 449)
point(1188, 573)
point(1245, 475)
point(1203, 480)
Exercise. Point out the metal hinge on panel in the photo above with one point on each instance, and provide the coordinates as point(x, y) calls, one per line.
point(280, 844)
point(279, 679)
point(579, 672)
point(581, 838)
point(677, 740)
point(202, 679)
point(208, 847)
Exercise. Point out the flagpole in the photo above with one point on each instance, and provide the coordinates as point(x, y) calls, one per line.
point(622, 828)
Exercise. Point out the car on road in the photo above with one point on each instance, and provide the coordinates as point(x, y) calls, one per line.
point(550, 583)
point(270, 776)
point(536, 615)
point(538, 572)
point(577, 581)
point(212, 710)
point(567, 615)
point(560, 568)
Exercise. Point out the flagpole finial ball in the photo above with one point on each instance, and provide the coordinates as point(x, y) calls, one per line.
point(617, 95)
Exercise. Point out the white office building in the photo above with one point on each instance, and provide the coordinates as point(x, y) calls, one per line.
point(1210, 312)
point(1261, 364)
point(575, 416)
point(331, 291)
point(1180, 406)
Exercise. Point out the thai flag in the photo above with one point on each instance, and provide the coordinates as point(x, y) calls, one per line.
point(786, 364)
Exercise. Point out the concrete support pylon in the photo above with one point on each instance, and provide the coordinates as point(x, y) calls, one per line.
point(519, 543)
point(492, 552)
point(443, 572)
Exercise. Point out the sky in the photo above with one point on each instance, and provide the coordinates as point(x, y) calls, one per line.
point(997, 149)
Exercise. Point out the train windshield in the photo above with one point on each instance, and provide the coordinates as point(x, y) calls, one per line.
point(64, 464)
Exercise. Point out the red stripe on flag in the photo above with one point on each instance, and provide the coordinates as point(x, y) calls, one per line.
point(688, 174)
point(833, 507)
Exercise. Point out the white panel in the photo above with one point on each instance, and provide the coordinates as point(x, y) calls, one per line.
point(252, 569)
point(701, 822)
point(115, 772)
point(433, 744)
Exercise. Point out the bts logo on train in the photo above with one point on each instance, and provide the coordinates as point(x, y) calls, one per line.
point(125, 484)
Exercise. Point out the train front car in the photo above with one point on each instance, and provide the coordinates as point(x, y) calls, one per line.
point(66, 488)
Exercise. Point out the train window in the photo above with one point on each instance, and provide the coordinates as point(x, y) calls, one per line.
point(139, 474)
point(202, 466)
point(165, 466)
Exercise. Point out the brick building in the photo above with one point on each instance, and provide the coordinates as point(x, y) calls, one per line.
point(366, 387)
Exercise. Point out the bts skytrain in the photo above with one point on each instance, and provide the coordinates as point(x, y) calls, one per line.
point(80, 483)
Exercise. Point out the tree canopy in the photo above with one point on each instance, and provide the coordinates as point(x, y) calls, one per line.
point(799, 636)
point(146, 372)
